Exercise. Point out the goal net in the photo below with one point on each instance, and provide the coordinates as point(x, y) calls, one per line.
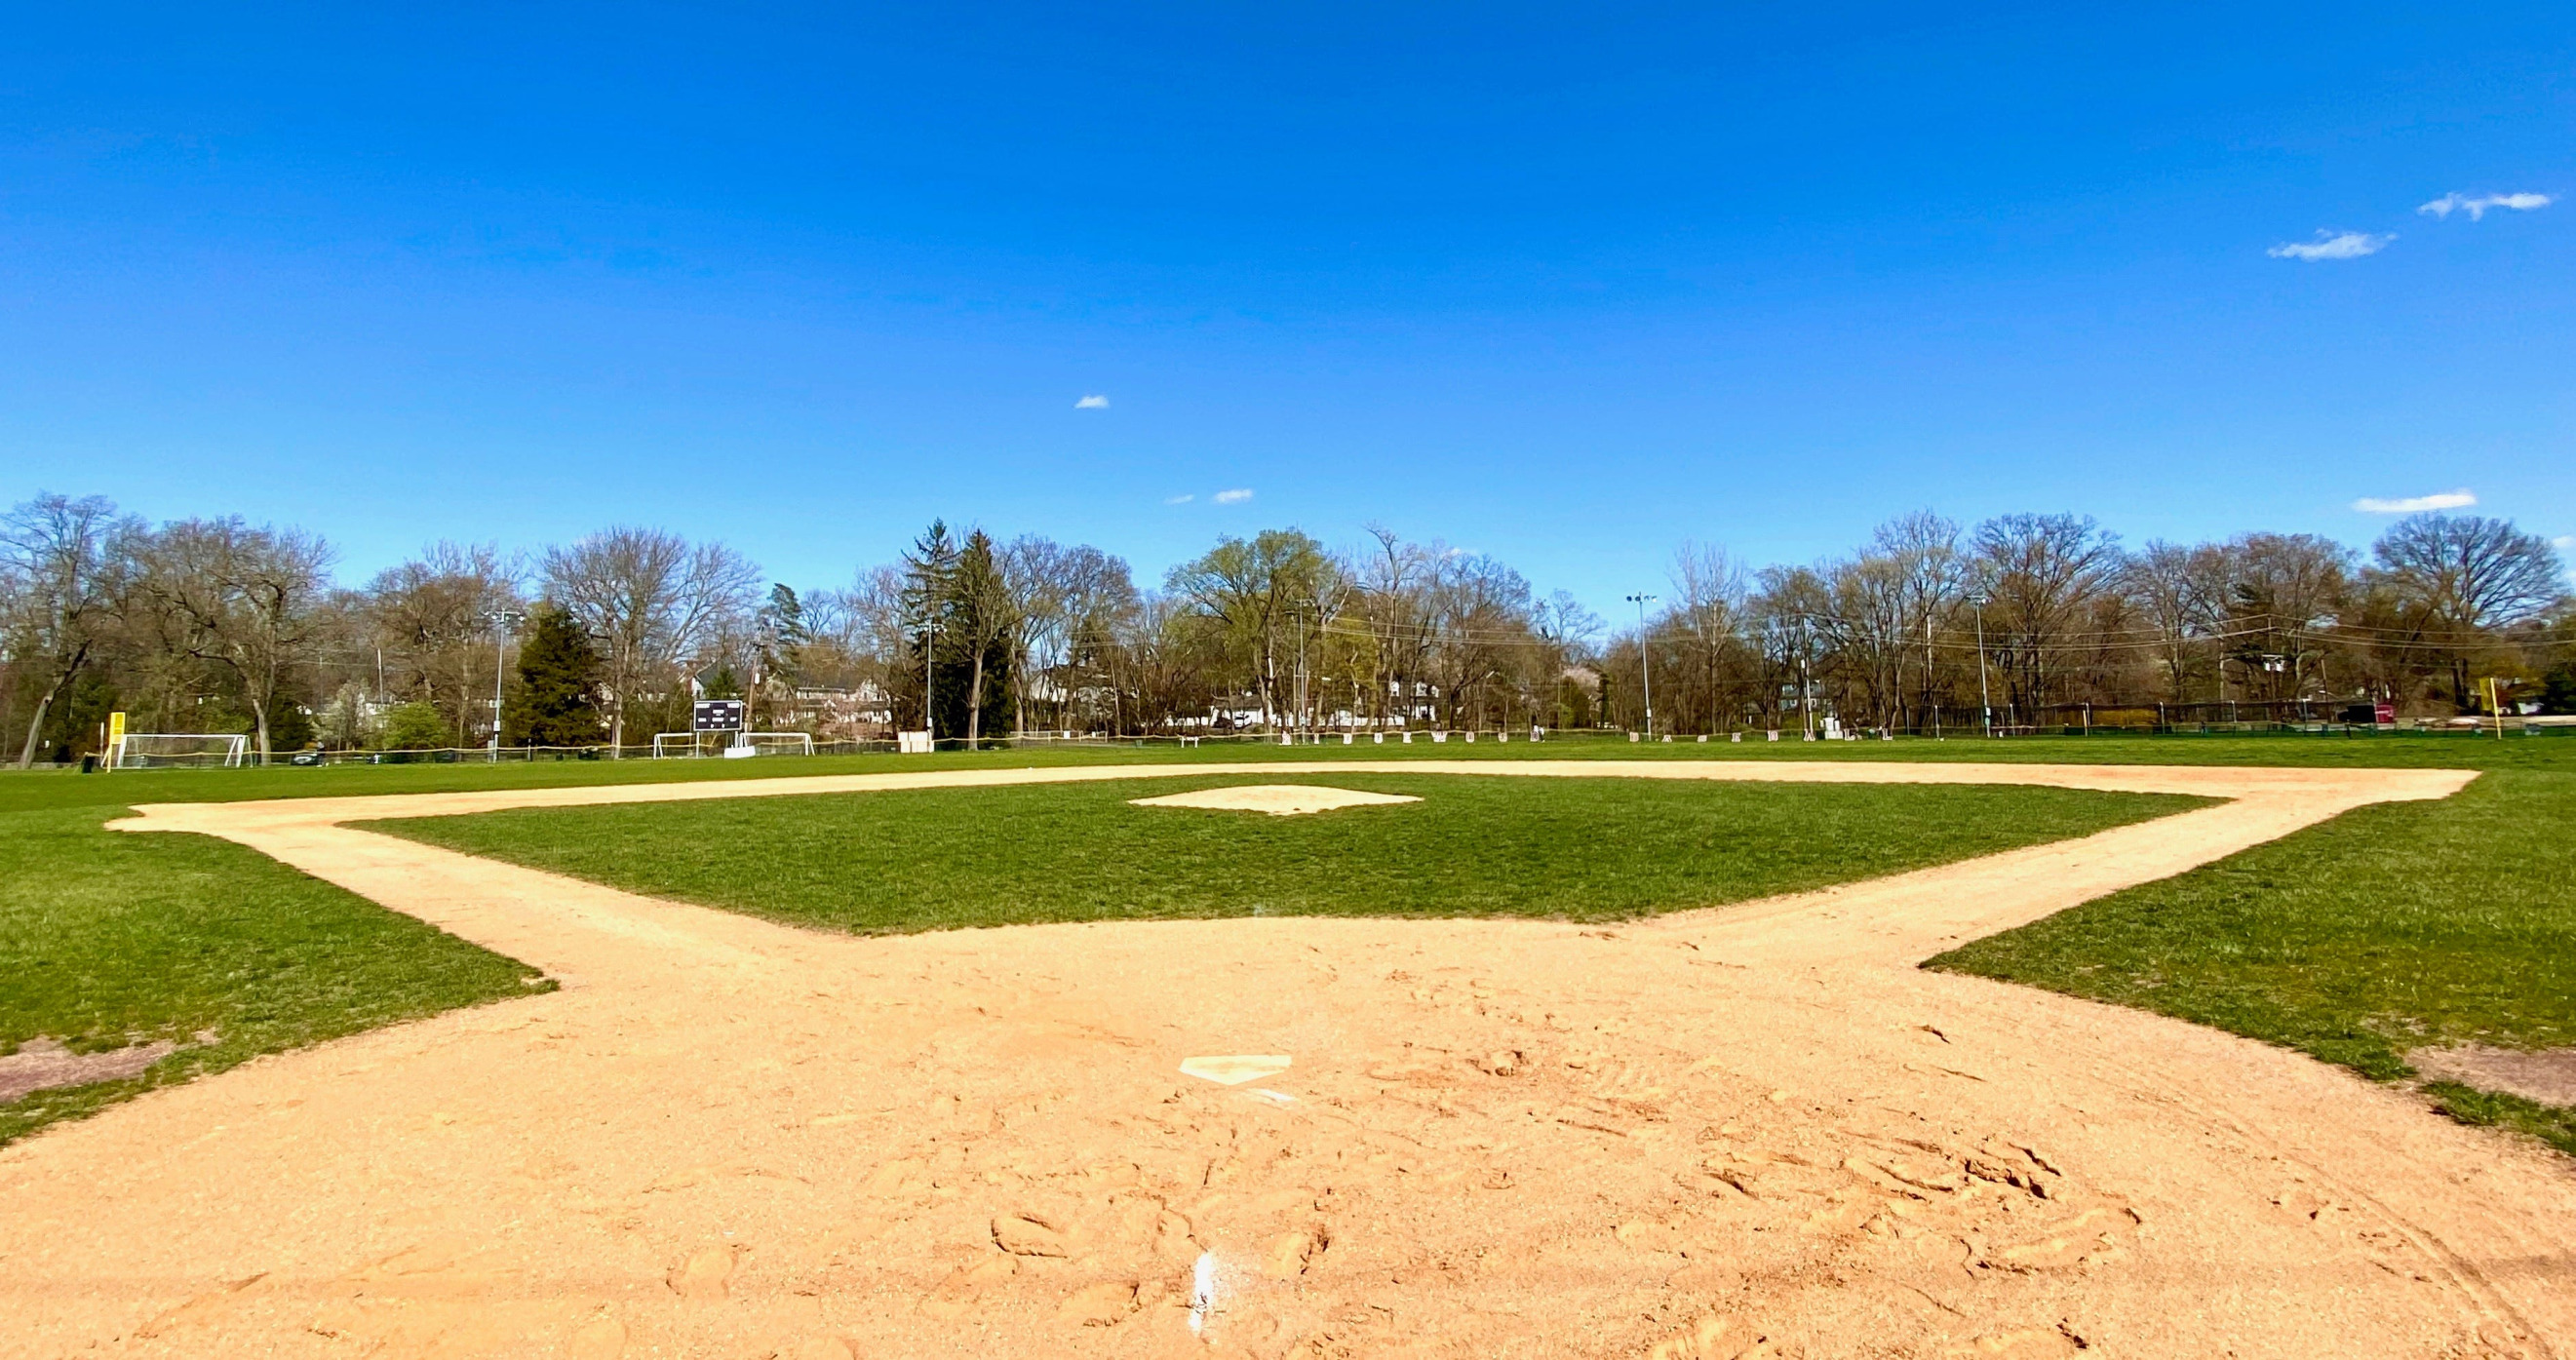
point(686, 745)
point(167, 750)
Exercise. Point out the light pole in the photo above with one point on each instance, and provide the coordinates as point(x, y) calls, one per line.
point(1985, 697)
point(1302, 724)
point(1645, 668)
point(1806, 680)
point(502, 621)
point(929, 667)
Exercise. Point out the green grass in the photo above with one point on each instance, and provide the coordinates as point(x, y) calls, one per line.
point(2552, 1124)
point(20, 791)
point(109, 938)
point(2390, 927)
point(2351, 941)
point(1579, 849)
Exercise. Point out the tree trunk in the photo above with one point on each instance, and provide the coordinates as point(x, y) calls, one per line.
point(27, 757)
point(975, 705)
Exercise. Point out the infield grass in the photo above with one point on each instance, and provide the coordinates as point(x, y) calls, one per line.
point(1577, 849)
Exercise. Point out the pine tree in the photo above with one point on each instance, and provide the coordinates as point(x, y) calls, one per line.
point(930, 572)
point(557, 703)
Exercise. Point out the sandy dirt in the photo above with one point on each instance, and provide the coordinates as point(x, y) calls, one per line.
point(44, 1063)
point(1278, 800)
point(2547, 1075)
point(1756, 1130)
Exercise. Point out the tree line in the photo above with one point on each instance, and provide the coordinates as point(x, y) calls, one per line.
point(219, 625)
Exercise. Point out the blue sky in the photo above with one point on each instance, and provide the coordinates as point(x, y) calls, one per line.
point(1568, 285)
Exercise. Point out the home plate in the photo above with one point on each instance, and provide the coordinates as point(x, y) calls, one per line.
point(1236, 1070)
point(1279, 800)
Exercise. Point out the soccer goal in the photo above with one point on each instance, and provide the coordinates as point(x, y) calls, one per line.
point(688, 745)
point(175, 750)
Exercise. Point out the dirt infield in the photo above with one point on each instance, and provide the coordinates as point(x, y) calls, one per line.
point(1755, 1130)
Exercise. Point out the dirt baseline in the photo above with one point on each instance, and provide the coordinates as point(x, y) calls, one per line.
point(1756, 1130)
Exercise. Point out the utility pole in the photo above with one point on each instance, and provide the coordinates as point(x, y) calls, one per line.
point(1985, 696)
point(1645, 667)
point(929, 668)
point(502, 621)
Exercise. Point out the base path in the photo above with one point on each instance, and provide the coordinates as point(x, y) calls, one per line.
point(1752, 1130)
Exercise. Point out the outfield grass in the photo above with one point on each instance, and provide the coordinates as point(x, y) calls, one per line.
point(2391, 927)
point(108, 938)
point(42, 789)
point(1577, 849)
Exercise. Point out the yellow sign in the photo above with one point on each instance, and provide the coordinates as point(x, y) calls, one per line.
point(115, 728)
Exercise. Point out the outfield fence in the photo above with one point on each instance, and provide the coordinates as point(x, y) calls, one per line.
point(1420, 739)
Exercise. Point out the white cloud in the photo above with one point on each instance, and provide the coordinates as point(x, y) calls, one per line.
point(1178, 500)
point(2408, 505)
point(1095, 402)
point(2347, 245)
point(1235, 497)
point(2477, 207)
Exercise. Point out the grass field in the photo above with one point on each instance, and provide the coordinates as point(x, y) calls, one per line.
point(108, 939)
point(2390, 927)
point(2348, 941)
point(55, 789)
point(1581, 849)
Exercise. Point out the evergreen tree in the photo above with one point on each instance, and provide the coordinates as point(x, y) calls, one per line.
point(929, 590)
point(557, 703)
point(957, 610)
point(780, 639)
point(981, 609)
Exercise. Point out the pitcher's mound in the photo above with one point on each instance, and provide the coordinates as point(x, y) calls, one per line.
point(1279, 800)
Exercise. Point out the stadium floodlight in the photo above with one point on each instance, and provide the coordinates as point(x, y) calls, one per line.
point(1645, 668)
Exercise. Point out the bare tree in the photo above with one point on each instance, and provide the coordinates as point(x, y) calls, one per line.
point(1093, 596)
point(2283, 590)
point(246, 599)
point(1931, 577)
point(1034, 572)
point(1706, 618)
point(429, 619)
point(61, 560)
point(649, 598)
point(2045, 573)
point(2459, 578)
point(2167, 584)
point(1391, 581)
